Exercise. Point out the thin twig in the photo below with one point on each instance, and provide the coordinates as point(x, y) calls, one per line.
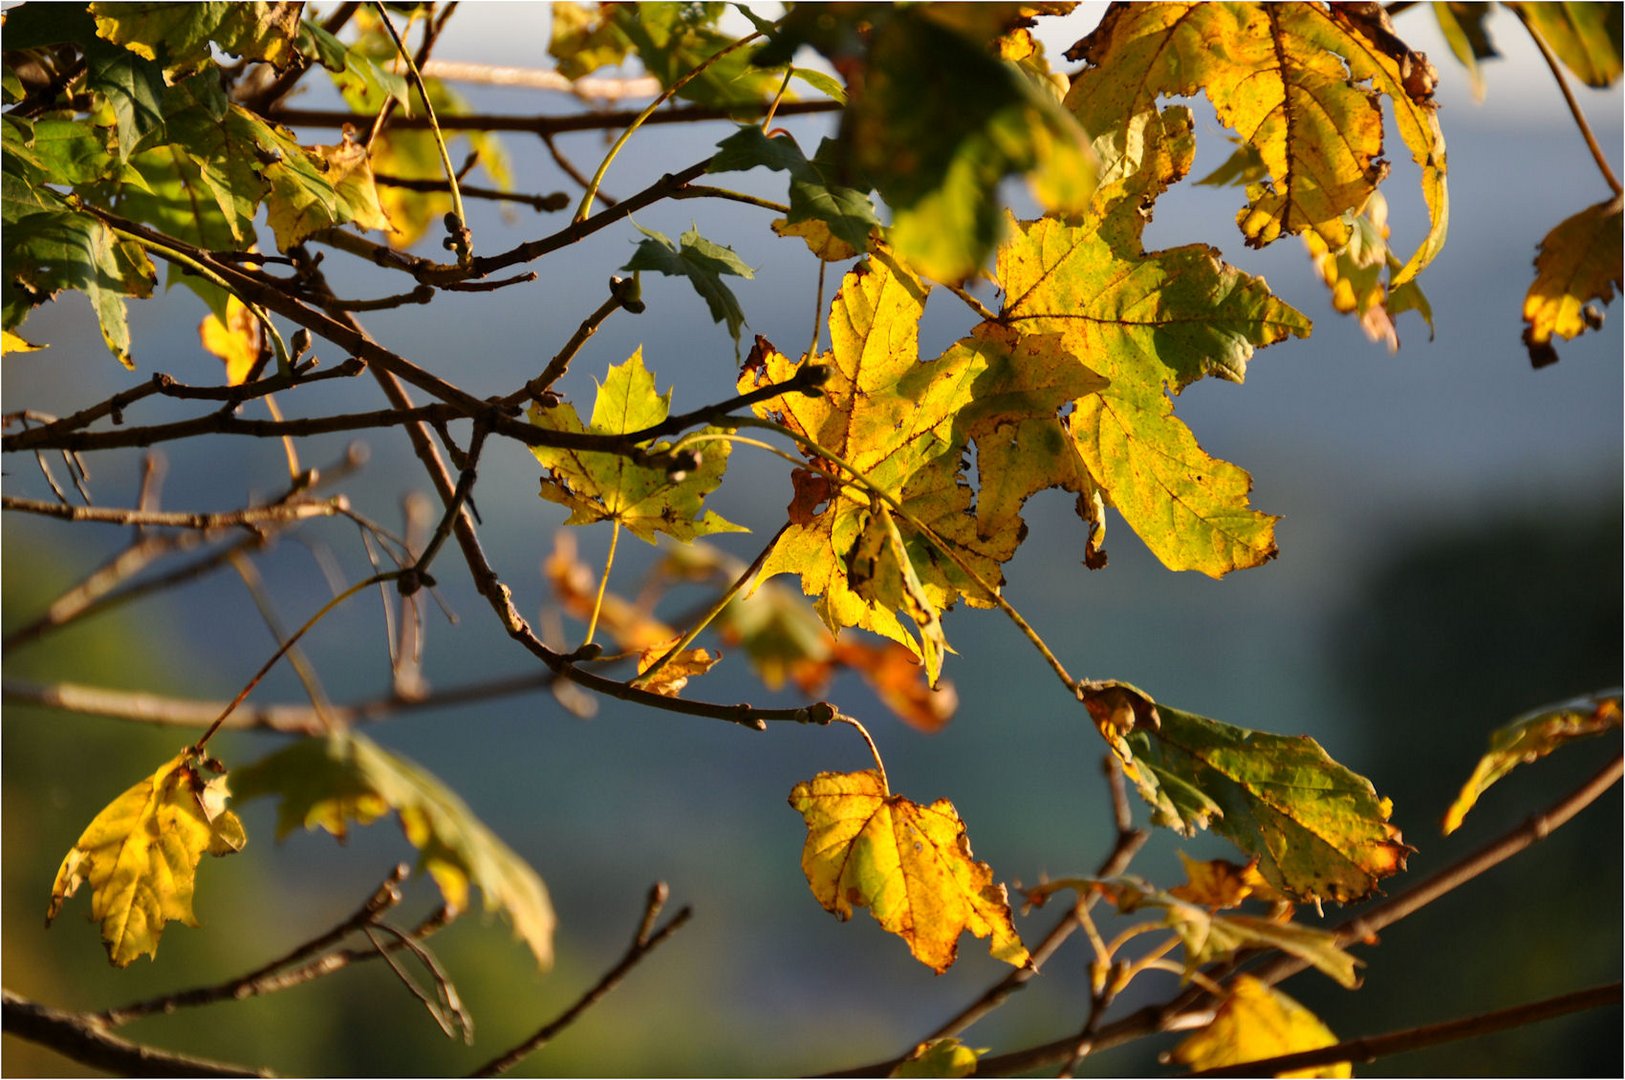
point(589, 88)
point(1372, 1047)
point(248, 517)
point(1574, 106)
point(547, 124)
point(619, 294)
point(557, 200)
point(643, 943)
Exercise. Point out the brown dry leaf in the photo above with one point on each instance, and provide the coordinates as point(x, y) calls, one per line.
point(674, 673)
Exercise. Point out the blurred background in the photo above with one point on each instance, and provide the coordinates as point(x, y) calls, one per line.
point(1450, 558)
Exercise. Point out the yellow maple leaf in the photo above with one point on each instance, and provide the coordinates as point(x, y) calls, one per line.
point(236, 341)
point(910, 865)
point(1255, 1022)
point(1579, 262)
point(140, 855)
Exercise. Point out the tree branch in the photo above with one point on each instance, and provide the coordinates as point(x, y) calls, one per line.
point(1372, 1047)
point(643, 943)
point(248, 517)
point(544, 125)
point(85, 1039)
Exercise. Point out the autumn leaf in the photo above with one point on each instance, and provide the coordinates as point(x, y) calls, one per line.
point(1254, 1022)
point(1219, 883)
point(1531, 737)
point(1209, 937)
point(1462, 25)
point(17, 343)
point(236, 341)
point(1318, 829)
point(140, 854)
point(1585, 36)
point(317, 187)
point(1302, 83)
point(601, 486)
point(902, 426)
point(329, 782)
point(1149, 323)
point(910, 865)
point(184, 32)
point(1354, 274)
point(674, 673)
point(939, 1058)
point(1579, 262)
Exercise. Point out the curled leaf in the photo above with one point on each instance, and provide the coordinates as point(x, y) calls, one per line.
point(1531, 737)
point(140, 855)
point(910, 865)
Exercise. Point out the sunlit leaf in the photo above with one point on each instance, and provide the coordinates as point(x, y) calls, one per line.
point(1462, 25)
point(1530, 738)
point(939, 1058)
point(236, 340)
point(1302, 83)
point(345, 777)
point(140, 854)
point(317, 187)
point(1219, 883)
point(1355, 274)
point(818, 238)
point(903, 426)
point(1255, 1021)
point(602, 486)
point(180, 35)
point(672, 38)
point(583, 40)
point(16, 343)
point(1579, 262)
point(1318, 829)
point(910, 865)
point(674, 673)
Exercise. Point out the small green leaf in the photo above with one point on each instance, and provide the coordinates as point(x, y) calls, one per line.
point(328, 782)
point(703, 262)
point(1531, 737)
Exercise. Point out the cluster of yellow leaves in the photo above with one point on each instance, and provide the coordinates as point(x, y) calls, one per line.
point(140, 854)
point(910, 865)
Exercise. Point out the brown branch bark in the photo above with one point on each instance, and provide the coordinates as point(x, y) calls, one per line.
point(85, 1039)
point(542, 125)
point(249, 517)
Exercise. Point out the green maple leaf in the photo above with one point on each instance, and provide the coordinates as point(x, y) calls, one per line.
point(601, 486)
point(329, 782)
point(1150, 323)
point(702, 262)
point(849, 212)
point(902, 426)
point(54, 250)
point(1302, 84)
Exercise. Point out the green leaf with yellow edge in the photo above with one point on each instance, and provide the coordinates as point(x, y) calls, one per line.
point(180, 35)
point(1209, 937)
point(1531, 737)
point(1254, 1022)
point(1585, 36)
point(910, 865)
point(317, 187)
point(47, 252)
point(939, 1058)
point(1149, 323)
point(1302, 83)
point(601, 486)
point(343, 777)
point(1579, 262)
point(1319, 830)
point(140, 854)
point(903, 426)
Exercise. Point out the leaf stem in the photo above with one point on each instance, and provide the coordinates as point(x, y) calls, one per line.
point(460, 240)
point(1568, 97)
point(874, 750)
point(603, 581)
point(288, 644)
point(742, 582)
point(585, 207)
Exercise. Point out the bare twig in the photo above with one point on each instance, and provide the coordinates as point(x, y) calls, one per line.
point(643, 943)
point(1568, 98)
point(1372, 1047)
point(248, 517)
point(540, 203)
point(85, 1039)
point(589, 88)
point(545, 124)
point(619, 297)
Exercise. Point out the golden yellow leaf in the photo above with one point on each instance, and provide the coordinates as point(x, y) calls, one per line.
point(140, 855)
point(940, 1057)
point(1256, 1022)
point(1579, 262)
point(1220, 883)
point(818, 238)
point(910, 865)
point(236, 341)
point(674, 673)
point(17, 343)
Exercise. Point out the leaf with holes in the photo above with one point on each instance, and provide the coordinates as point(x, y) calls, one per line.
point(910, 865)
